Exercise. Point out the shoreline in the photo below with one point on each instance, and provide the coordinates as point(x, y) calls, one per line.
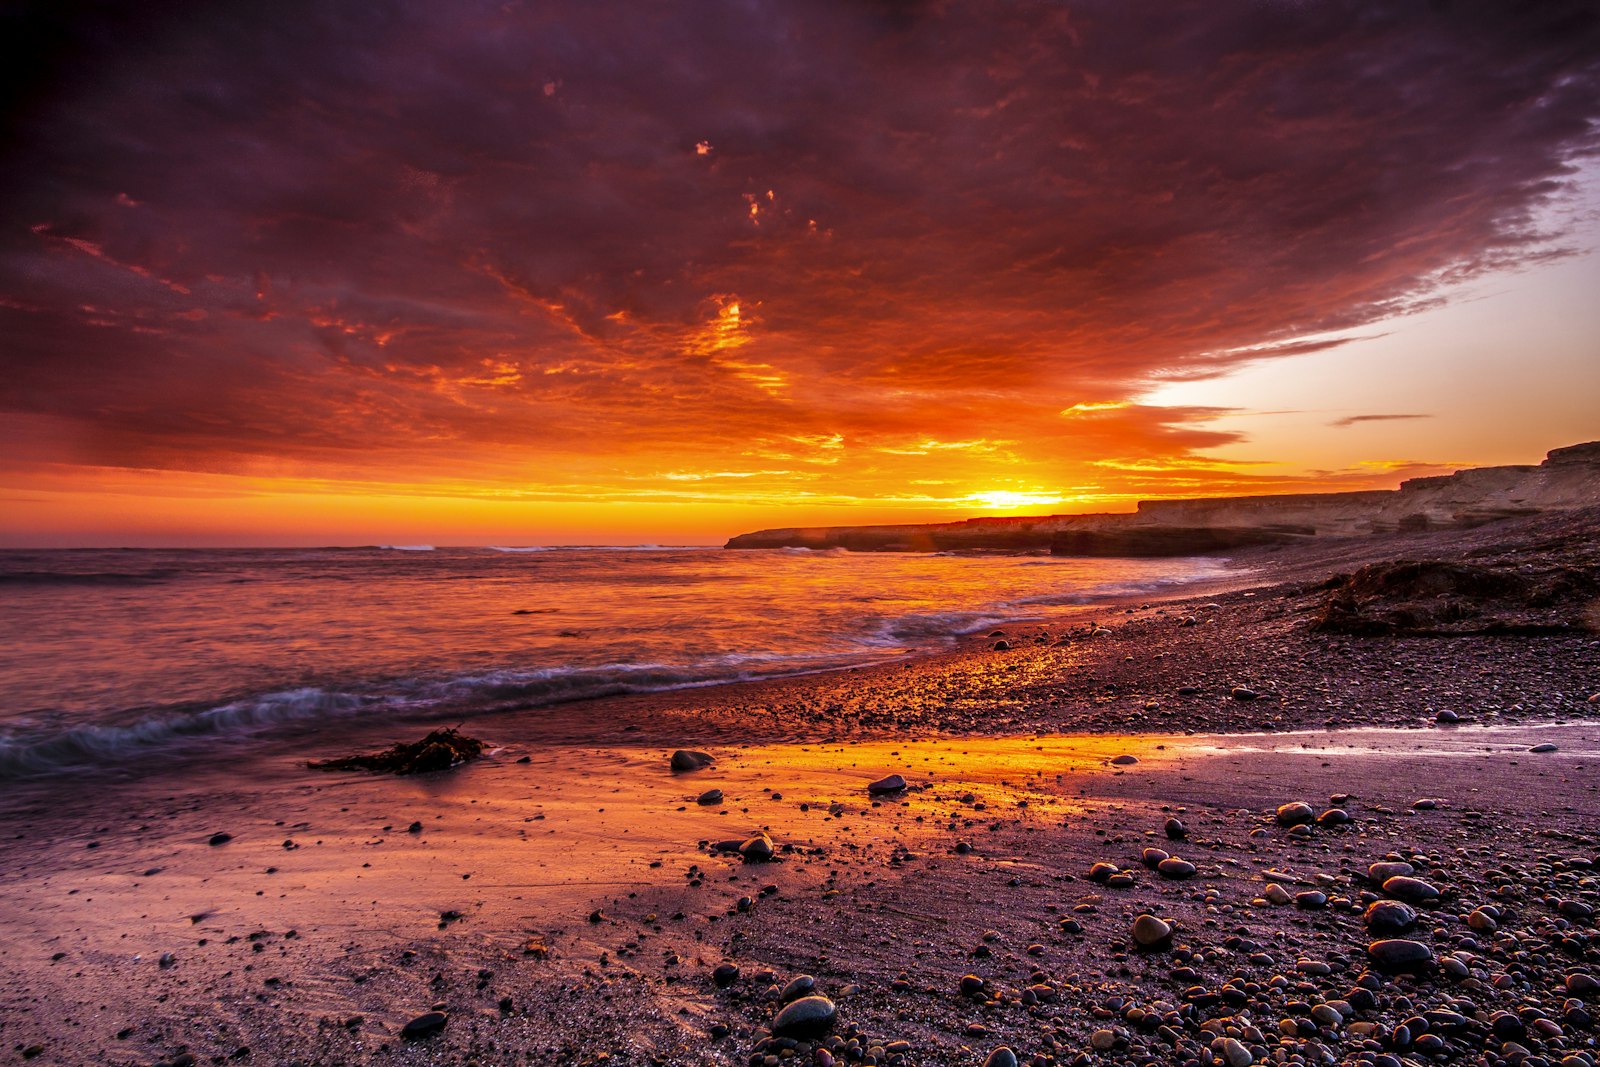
point(323, 924)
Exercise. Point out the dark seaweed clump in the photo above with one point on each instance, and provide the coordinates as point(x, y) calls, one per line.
point(439, 751)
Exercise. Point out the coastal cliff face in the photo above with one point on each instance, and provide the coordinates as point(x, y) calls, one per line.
point(1568, 478)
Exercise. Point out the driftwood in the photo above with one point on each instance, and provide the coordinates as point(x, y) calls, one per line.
point(439, 751)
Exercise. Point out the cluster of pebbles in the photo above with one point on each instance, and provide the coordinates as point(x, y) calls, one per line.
point(1406, 959)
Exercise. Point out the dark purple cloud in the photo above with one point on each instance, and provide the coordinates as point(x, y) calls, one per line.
point(1353, 420)
point(468, 238)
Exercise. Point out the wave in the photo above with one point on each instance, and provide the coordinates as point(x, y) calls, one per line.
point(33, 753)
point(23, 755)
point(408, 548)
point(152, 577)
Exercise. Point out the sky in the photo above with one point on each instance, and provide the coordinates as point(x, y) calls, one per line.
point(584, 272)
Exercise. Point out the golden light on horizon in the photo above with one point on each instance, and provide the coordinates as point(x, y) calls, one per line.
point(1012, 500)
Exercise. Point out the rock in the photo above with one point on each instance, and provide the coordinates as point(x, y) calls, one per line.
point(1001, 1057)
point(725, 974)
point(1175, 868)
point(1101, 872)
point(1001, 646)
point(1311, 899)
point(1447, 717)
point(1583, 985)
point(1241, 693)
point(801, 985)
point(1334, 817)
point(1175, 830)
point(758, 849)
point(1295, 813)
point(1151, 933)
point(687, 759)
point(1124, 760)
point(806, 1018)
point(425, 1025)
point(971, 984)
point(1399, 957)
point(1546, 747)
point(1153, 856)
point(1103, 1040)
point(1381, 872)
point(1390, 917)
point(1276, 894)
point(1235, 1052)
point(710, 796)
point(220, 839)
point(894, 783)
point(1412, 890)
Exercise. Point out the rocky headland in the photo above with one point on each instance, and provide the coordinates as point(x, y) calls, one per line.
point(1568, 478)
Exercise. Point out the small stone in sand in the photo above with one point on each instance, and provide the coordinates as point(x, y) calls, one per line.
point(425, 1025)
point(1546, 747)
point(805, 1018)
point(710, 796)
point(1124, 760)
point(1151, 933)
point(687, 759)
point(1295, 812)
point(892, 784)
point(220, 839)
point(1398, 956)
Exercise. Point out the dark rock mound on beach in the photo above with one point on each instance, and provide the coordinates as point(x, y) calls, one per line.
point(439, 751)
point(1437, 598)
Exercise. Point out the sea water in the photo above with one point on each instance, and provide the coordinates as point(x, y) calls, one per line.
point(107, 653)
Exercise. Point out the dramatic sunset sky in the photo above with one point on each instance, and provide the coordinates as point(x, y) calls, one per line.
point(572, 271)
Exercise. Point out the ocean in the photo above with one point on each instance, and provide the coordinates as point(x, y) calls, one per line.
point(107, 655)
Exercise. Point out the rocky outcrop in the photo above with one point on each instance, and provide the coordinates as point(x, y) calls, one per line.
point(1568, 478)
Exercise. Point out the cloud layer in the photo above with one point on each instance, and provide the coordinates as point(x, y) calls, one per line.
point(795, 246)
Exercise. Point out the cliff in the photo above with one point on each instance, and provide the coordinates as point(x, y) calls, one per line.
point(1568, 478)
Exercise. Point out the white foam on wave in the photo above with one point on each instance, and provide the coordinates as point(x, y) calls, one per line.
point(408, 548)
point(24, 754)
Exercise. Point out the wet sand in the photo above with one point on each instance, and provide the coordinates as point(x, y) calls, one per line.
point(563, 901)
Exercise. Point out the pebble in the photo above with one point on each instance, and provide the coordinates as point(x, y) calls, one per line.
point(1176, 868)
point(1124, 760)
point(801, 985)
point(710, 796)
point(1546, 747)
point(806, 1018)
point(1241, 693)
point(1235, 1052)
point(1447, 716)
point(1412, 890)
point(1583, 985)
point(1103, 1040)
point(1295, 812)
point(425, 1025)
point(220, 839)
point(1150, 932)
point(892, 784)
point(1384, 870)
point(1390, 917)
point(687, 759)
point(725, 974)
point(1398, 956)
point(1001, 1057)
point(758, 849)
point(1175, 830)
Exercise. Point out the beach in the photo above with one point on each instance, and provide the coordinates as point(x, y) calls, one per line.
point(568, 898)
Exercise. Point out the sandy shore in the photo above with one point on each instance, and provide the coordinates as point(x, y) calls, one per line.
point(563, 900)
